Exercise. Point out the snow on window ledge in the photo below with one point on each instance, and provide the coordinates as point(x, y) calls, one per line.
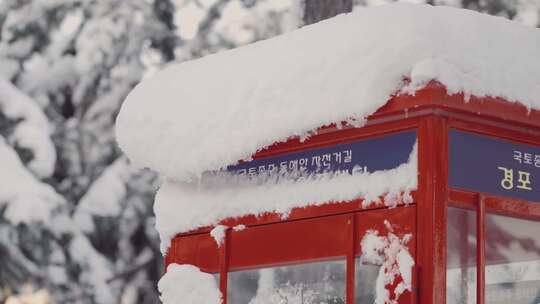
point(239, 227)
point(187, 284)
point(218, 233)
point(181, 207)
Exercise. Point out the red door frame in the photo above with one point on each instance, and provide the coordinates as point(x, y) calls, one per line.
point(432, 112)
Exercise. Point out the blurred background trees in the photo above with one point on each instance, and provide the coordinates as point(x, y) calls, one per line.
point(76, 221)
point(317, 10)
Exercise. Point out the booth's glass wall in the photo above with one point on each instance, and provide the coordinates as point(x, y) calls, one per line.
point(312, 283)
point(461, 257)
point(365, 280)
point(512, 260)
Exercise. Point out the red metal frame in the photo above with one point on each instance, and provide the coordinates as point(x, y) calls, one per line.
point(432, 184)
point(480, 250)
point(351, 255)
point(432, 112)
point(224, 258)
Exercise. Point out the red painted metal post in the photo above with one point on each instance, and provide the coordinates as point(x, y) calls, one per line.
point(224, 265)
point(432, 209)
point(351, 255)
point(481, 250)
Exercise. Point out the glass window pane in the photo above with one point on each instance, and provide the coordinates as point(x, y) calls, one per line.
point(312, 283)
point(365, 281)
point(512, 260)
point(461, 257)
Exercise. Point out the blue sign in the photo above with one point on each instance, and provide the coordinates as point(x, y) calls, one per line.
point(382, 153)
point(501, 167)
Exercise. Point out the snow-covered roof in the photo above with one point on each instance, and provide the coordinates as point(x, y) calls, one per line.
point(209, 113)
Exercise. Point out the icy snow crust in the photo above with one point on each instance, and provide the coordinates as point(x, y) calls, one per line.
point(209, 113)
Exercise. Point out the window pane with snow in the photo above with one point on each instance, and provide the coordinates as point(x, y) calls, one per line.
point(461, 257)
point(365, 281)
point(312, 283)
point(512, 260)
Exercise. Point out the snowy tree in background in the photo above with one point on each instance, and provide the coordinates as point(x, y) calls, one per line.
point(209, 26)
point(75, 219)
point(317, 10)
point(523, 11)
point(73, 215)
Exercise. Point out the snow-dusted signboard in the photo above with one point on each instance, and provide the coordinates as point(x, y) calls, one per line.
point(358, 156)
point(181, 206)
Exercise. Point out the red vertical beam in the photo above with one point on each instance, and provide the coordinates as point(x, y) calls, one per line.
point(481, 250)
point(351, 255)
point(431, 208)
point(224, 265)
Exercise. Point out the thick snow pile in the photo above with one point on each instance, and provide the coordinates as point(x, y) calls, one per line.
point(218, 233)
point(209, 113)
point(186, 284)
point(391, 253)
point(181, 206)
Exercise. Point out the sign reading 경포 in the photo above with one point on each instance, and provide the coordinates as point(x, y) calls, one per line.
point(501, 167)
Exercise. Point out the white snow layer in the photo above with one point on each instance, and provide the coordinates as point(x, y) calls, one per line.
point(208, 113)
point(181, 206)
point(218, 233)
point(186, 284)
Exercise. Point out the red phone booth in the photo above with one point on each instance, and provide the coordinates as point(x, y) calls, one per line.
point(472, 226)
point(463, 223)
